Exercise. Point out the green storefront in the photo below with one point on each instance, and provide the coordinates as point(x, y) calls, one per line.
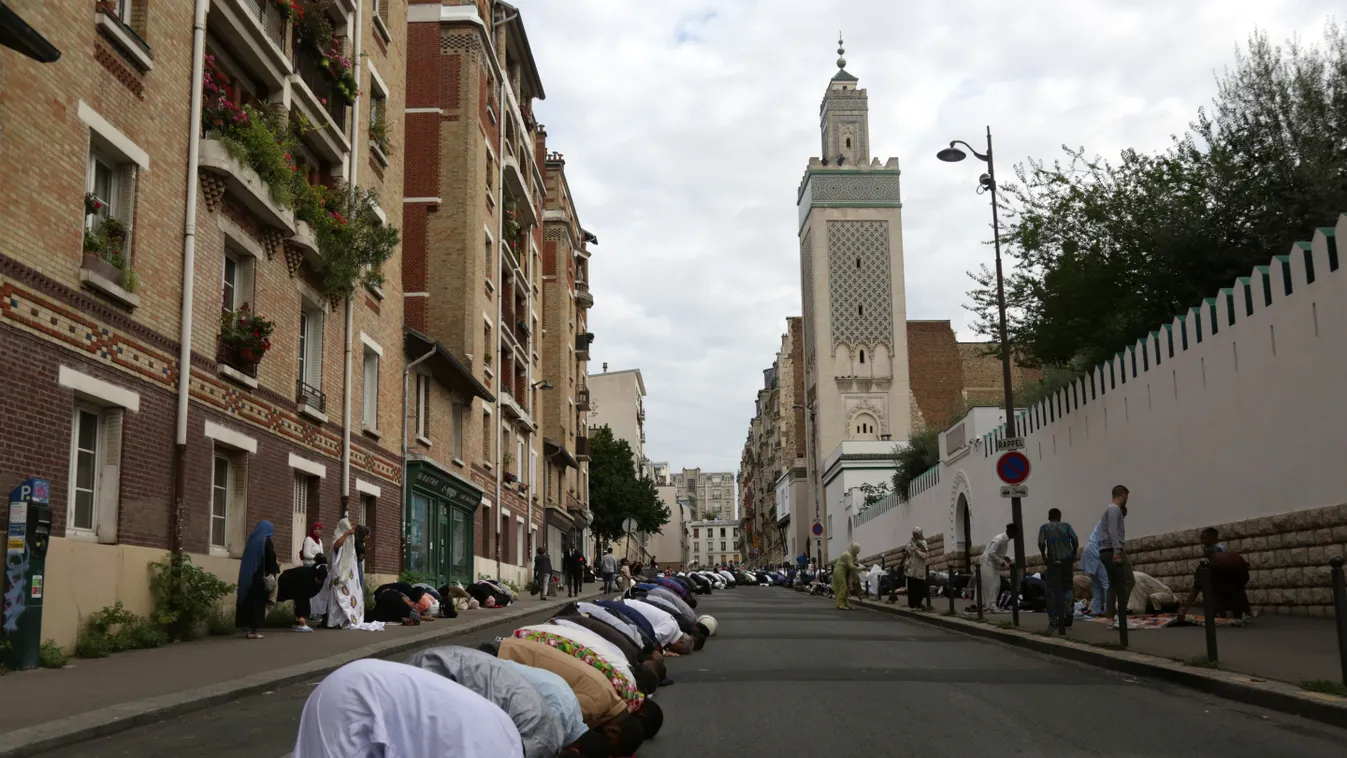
point(439, 536)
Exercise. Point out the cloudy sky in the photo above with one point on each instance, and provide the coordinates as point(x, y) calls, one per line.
point(687, 124)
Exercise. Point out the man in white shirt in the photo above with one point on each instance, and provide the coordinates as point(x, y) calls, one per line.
point(667, 632)
point(994, 561)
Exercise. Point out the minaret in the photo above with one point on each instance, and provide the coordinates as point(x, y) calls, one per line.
point(844, 117)
point(855, 315)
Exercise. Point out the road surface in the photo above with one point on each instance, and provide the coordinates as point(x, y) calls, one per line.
point(788, 675)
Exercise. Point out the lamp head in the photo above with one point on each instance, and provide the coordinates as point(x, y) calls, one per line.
point(543, 385)
point(951, 154)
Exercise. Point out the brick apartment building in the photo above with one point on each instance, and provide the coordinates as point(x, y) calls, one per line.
point(566, 337)
point(108, 162)
point(473, 280)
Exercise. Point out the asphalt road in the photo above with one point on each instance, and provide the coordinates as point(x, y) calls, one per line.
point(788, 675)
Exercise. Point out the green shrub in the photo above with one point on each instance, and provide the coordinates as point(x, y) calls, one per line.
point(51, 656)
point(416, 577)
point(114, 629)
point(185, 595)
point(280, 616)
point(90, 644)
point(220, 624)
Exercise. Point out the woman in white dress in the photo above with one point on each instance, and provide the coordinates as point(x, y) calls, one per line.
point(346, 599)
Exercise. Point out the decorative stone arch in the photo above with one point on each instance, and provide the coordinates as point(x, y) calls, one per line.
point(960, 515)
point(869, 414)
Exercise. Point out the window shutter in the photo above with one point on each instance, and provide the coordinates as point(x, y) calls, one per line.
point(109, 481)
point(126, 205)
point(426, 380)
point(236, 523)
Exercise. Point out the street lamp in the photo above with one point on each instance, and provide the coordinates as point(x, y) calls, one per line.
point(987, 183)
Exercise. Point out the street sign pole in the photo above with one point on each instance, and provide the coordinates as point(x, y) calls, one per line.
point(1013, 468)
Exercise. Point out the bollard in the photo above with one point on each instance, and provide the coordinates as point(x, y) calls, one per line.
point(1120, 610)
point(1208, 608)
point(977, 590)
point(949, 590)
point(1340, 610)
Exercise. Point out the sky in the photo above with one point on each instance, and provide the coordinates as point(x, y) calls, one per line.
point(687, 124)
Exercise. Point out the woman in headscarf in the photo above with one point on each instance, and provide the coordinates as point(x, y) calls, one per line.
point(624, 578)
point(915, 569)
point(302, 584)
point(346, 598)
point(374, 707)
point(844, 573)
point(313, 545)
point(258, 564)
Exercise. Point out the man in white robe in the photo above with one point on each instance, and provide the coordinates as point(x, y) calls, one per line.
point(994, 561)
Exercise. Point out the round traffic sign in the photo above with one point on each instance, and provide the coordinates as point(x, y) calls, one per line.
point(818, 528)
point(755, 551)
point(1013, 467)
point(629, 525)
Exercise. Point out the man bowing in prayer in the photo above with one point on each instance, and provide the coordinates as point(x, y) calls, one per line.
point(994, 561)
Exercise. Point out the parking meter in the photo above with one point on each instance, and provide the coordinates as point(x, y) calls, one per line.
point(25, 563)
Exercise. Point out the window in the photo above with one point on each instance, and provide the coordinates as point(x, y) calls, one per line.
point(299, 517)
point(423, 407)
point(520, 557)
point(486, 438)
point(369, 391)
point(862, 356)
point(520, 457)
point(722, 546)
point(722, 531)
point(231, 278)
point(219, 503)
point(311, 347)
point(84, 484)
point(105, 186)
point(488, 261)
point(459, 420)
point(695, 531)
point(696, 547)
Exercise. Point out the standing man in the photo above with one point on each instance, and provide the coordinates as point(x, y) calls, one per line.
point(1057, 543)
point(1112, 535)
point(608, 568)
point(993, 562)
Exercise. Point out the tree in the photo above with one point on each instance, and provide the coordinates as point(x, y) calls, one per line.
point(617, 491)
point(1105, 252)
point(922, 452)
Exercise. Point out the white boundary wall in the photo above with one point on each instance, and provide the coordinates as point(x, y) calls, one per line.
point(1239, 419)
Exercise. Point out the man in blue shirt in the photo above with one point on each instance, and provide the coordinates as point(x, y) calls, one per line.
point(1057, 542)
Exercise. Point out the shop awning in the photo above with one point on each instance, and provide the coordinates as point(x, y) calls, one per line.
point(16, 34)
point(444, 365)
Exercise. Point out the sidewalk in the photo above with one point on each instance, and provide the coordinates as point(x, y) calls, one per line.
point(1262, 664)
point(97, 697)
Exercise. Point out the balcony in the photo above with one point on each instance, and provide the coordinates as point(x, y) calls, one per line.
point(255, 33)
point(581, 448)
point(582, 342)
point(583, 298)
point(516, 182)
point(309, 396)
point(582, 399)
point(322, 101)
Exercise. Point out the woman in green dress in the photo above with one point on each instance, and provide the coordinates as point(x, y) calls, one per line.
point(844, 574)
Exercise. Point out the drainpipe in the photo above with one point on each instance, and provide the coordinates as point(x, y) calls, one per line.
point(188, 275)
point(406, 372)
point(500, 268)
point(354, 163)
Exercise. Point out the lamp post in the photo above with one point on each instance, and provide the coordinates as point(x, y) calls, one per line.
point(987, 182)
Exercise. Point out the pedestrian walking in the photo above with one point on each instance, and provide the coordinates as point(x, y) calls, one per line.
point(1095, 569)
point(1057, 543)
point(1115, 559)
point(915, 569)
point(607, 569)
point(542, 572)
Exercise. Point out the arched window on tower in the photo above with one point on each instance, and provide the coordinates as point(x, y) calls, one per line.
point(862, 356)
point(848, 142)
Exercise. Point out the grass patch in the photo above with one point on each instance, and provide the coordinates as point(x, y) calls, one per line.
point(219, 624)
point(1326, 686)
point(1202, 662)
point(51, 656)
point(281, 616)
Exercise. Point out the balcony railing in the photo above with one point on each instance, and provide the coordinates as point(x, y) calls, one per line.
point(229, 356)
point(311, 396)
point(310, 68)
point(271, 18)
point(582, 294)
point(582, 345)
point(582, 448)
point(582, 399)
